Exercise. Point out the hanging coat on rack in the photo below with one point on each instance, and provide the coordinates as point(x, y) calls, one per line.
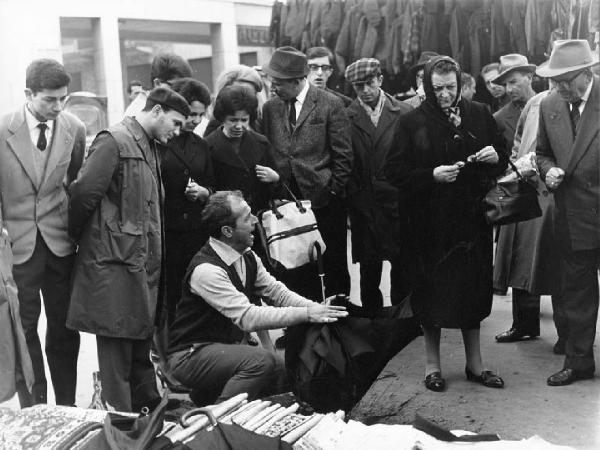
point(331, 22)
point(538, 28)
point(500, 44)
point(518, 38)
point(344, 48)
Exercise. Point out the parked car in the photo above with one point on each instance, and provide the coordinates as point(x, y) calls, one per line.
point(92, 111)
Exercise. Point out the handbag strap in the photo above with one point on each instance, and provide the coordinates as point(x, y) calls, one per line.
point(301, 208)
point(514, 167)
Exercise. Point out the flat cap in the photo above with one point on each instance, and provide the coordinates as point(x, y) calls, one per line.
point(362, 70)
point(168, 98)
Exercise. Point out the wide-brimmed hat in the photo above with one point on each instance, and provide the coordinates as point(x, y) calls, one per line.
point(287, 63)
point(510, 63)
point(425, 57)
point(567, 56)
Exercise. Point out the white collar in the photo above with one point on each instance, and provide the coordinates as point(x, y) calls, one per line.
point(32, 121)
point(302, 95)
point(224, 251)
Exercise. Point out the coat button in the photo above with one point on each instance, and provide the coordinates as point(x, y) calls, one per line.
point(186, 172)
point(185, 216)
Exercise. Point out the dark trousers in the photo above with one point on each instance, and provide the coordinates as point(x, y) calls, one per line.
point(579, 295)
point(526, 313)
point(332, 221)
point(180, 249)
point(226, 370)
point(51, 275)
point(370, 278)
point(126, 373)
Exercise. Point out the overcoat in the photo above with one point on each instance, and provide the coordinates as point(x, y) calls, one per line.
point(372, 199)
point(117, 222)
point(578, 196)
point(452, 242)
point(237, 171)
point(526, 252)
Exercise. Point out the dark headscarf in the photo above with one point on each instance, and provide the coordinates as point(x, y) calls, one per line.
point(431, 103)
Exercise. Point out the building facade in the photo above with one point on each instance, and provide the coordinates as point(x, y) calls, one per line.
point(106, 44)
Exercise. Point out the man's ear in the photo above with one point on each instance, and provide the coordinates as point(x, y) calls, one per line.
point(227, 231)
point(28, 93)
point(156, 110)
point(156, 82)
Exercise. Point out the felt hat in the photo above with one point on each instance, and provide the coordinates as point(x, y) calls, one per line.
point(567, 56)
point(287, 63)
point(511, 63)
point(425, 57)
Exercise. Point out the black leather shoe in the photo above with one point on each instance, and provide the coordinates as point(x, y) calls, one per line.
point(435, 382)
point(568, 376)
point(514, 335)
point(559, 347)
point(487, 378)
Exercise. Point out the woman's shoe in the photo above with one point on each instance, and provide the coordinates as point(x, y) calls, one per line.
point(435, 382)
point(487, 378)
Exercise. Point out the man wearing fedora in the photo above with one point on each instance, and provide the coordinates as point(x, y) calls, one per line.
point(417, 71)
point(115, 216)
point(525, 252)
point(309, 130)
point(515, 75)
point(568, 154)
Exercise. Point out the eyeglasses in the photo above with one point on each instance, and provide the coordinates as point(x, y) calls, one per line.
point(566, 81)
point(316, 67)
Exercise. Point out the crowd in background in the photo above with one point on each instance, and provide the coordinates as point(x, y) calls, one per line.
point(153, 226)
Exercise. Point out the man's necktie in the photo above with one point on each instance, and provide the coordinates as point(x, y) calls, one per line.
point(575, 114)
point(42, 142)
point(292, 114)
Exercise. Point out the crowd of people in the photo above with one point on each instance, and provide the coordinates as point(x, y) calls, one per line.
point(153, 227)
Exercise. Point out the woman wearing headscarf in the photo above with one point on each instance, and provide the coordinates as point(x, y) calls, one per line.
point(444, 162)
point(188, 179)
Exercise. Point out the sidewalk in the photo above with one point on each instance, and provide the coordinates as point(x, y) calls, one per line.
point(568, 415)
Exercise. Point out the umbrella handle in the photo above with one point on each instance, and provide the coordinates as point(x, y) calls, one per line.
point(198, 411)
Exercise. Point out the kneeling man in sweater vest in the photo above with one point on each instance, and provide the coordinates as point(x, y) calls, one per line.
point(221, 301)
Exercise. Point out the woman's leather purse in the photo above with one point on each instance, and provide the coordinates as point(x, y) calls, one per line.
point(512, 201)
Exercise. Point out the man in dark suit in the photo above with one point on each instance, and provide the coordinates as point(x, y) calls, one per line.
point(41, 151)
point(373, 200)
point(309, 130)
point(568, 153)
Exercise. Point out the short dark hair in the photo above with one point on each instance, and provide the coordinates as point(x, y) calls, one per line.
point(489, 67)
point(319, 52)
point(46, 74)
point(445, 66)
point(169, 66)
point(133, 83)
point(466, 79)
point(192, 90)
point(217, 212)
point(235, 98)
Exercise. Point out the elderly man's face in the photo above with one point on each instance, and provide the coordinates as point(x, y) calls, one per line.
point(319, 71)
point(571, 86)
point(285, 89)
point(496, 90)
point(518, 86)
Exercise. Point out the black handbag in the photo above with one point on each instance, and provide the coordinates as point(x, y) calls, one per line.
point(512, 201)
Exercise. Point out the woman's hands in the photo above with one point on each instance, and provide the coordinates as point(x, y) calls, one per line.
point(326, 313)
point(195, 192)
point(446, 174)
point(487, 155)
point(266, 174)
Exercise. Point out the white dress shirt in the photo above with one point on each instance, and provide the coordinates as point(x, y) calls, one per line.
point(300, 98)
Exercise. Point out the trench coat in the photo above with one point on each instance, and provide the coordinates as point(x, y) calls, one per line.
point(452, 243)
point(372, 200)
point(115, 214)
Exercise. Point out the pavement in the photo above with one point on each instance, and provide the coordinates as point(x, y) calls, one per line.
point(568, 415)
point(526, 407)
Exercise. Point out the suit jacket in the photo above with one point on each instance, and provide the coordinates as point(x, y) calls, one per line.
point(317, 151)
point(578, 196)
point(30, 203)
point(506, 119)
